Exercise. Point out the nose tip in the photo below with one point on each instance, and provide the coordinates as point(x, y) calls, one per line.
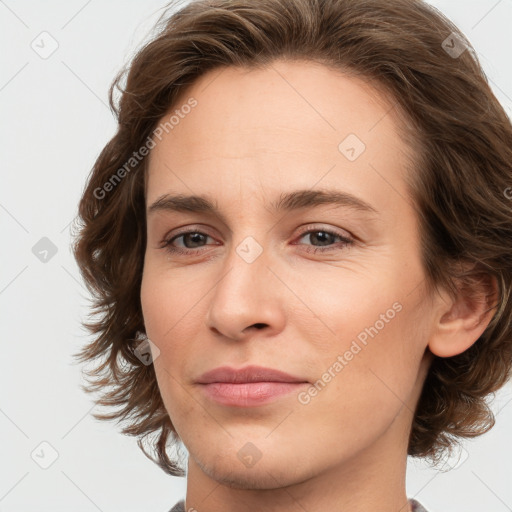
point(258, 326)
point(244, 304)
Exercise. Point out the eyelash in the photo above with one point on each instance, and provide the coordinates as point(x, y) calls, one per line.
point(177, 250)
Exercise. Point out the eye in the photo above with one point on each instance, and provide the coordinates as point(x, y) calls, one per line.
point(325, 240)
point(194, 241)
point(191, 238)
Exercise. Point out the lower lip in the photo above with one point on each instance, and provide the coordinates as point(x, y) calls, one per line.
point(249, 394)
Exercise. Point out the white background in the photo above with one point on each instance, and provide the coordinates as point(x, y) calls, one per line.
point(54, 122)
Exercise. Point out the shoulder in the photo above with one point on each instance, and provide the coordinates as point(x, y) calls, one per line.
point(179, 507)
point(416, 506)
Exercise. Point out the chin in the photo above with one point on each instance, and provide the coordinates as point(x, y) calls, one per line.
point(272, 472)
point(247, 478)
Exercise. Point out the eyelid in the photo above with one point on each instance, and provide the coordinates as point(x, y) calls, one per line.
point(322, 227)
point(183, 230)
point(345, 240)
point(305, 228)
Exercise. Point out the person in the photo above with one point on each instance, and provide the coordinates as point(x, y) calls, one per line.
point(298, 244)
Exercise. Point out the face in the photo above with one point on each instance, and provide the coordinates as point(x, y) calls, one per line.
point(332, 293)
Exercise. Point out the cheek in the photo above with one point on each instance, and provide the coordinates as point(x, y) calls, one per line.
point(173, 312)
point(360, 394)
point(160, 308)
point(381, 375)
point(154, 303)
point(346, 308)
point(164, 300)
point(372, 360)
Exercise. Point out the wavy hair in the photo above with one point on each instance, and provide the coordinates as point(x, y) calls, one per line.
point(461, 186)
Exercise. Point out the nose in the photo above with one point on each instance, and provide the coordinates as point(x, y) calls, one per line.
point(247, 298)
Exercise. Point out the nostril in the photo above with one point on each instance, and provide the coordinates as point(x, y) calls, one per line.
point(259, 326)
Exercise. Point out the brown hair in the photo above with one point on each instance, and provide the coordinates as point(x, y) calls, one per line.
point(463, 153)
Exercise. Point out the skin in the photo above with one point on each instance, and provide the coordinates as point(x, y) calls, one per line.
point(253, 135)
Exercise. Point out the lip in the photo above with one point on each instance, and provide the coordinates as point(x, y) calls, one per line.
point(248, 387)
point(247, 374)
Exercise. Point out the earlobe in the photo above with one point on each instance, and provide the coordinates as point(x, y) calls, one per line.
point(459, 322)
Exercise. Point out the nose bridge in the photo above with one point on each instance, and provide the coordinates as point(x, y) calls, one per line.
point(247, 293)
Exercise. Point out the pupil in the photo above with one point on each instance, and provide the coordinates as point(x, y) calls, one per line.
point(324, 234)
point(320, 236)
point(194, 236)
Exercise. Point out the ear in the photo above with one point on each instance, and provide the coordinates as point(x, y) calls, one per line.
point(460, 321)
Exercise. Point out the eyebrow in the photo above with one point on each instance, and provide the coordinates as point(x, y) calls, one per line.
point(287, 202)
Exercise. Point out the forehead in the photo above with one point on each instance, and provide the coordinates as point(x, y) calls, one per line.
point(285, 126)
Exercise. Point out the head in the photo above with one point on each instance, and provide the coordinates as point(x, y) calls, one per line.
point(406, 317)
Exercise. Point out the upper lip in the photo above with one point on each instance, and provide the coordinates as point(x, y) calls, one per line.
point(247, 374)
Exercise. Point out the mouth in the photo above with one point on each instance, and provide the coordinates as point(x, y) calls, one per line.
point(248, 374)
point(248, 387)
